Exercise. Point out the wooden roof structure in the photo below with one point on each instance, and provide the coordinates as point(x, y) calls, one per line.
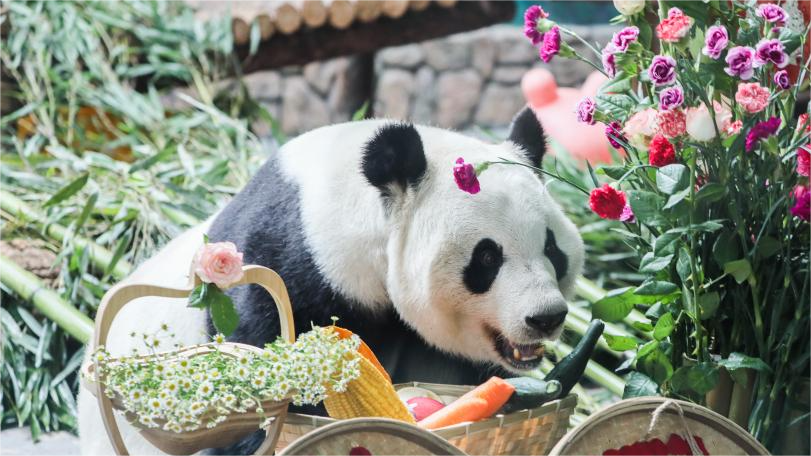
point(299, 32)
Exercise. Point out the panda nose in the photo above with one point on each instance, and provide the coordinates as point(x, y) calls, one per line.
point(546, 322)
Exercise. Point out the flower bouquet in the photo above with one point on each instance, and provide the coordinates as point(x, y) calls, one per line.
point(713, 195)
point(214, 394)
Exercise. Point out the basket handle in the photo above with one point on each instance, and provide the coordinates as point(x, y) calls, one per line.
point(117, 297)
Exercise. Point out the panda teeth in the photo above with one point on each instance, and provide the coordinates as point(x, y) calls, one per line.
point(516, 354)
point(519, 357)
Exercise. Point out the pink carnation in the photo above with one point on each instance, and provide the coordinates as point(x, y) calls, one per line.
point(465, 176)
point(531, 17)
point(802, 202)
point(804, 160)
point(752, 96)
point(551, 44)
point(672, 123)
point(733, 128)
point(675, 27)
point(219, 263)
point(761, 130)
point(585, 110)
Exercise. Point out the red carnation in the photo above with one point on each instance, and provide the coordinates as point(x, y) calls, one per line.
point(607, 202)
point(661, 152)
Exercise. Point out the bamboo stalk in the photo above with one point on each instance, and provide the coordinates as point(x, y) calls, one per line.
point(314, 13)
point(30, 288)
point(368, 11)
point(287, 18)
point(99, 256)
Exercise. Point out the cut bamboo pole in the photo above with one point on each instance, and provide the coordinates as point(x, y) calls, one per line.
point(368, 11)
point(99, 256)
point(241, 31)
point(394, 8)
point(266, 27)
point(446, 3)
point(419, 5)
point(31, 289)
point(314, 13)
point(342, 13)
point(287, 18)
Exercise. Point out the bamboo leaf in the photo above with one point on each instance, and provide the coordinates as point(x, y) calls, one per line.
point(68, 190)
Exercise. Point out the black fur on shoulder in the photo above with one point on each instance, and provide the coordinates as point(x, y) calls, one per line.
point(527, 132)
point(394, 155)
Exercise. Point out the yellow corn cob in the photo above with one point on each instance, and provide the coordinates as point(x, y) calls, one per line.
point(370, 394)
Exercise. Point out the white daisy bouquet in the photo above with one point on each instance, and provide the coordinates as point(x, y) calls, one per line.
point(178, 392)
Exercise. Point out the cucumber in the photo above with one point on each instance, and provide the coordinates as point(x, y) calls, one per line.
point(530, 393)
point(569, 370)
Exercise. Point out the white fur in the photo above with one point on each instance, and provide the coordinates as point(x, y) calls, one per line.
point(411, 258)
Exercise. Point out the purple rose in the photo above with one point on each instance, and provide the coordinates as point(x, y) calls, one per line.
point(771, 51)
point(740, 61)
point(531, 17)
point(671, 98)
point(612, 131)
point(760, 131)
point(609, 62)
point(624, 38)
point(716, 41)
point(781, 80)
point(662, 70)
point(772, 13)
point(585, 110)
point(551, 44)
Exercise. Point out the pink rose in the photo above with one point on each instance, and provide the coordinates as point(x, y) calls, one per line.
point(672, 123)
point(752, 96)
point(218, 263)
point(641, 127)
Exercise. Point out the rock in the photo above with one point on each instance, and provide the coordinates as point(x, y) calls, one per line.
point(483, 56)
point(17, 441)
point(408, 56)
point(444, 54)
point(498, 104)
point(322, 74)
point(517, 50)
point(265, 85)
point(393, 93)
point(424, 96)
point(302, 109)
point(457, 95)
point(509, 74)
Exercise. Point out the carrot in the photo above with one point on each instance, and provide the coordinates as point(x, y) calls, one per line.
point(364, 350)
point(479, 403)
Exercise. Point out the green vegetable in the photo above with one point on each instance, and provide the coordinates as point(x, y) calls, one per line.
point(530, 393)
point(569, 370)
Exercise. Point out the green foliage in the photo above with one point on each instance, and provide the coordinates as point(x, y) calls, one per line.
point(89, 140)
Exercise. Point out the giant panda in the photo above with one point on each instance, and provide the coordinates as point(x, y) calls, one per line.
point(364, 222)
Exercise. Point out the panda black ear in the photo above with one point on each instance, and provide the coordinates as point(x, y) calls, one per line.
point(394, 156)
point(526, 131)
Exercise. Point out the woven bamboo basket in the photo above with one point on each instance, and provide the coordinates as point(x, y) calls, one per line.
point(237, 425)
point(646, 418)
point(533, 431)
point(376, 435)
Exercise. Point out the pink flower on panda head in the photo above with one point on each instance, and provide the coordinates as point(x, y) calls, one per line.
point(219, 263)
point(464, 174)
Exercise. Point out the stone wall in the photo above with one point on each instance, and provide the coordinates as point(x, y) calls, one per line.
point(454, 82)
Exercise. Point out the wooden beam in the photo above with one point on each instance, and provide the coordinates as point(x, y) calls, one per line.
point(308, 45)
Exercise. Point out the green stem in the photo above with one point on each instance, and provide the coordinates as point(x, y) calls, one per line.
point(504, 161)
point(99, 256)
point(694, 268)
point(30, 288)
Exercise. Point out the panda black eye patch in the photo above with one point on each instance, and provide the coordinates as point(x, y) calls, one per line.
point(559, 259)
point(483, 267)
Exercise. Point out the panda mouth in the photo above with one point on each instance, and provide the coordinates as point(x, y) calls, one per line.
point(518, 356)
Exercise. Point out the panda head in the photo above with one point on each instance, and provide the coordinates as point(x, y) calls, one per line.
point(482, 276)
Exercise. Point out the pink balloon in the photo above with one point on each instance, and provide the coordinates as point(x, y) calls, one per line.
point(554, 106)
